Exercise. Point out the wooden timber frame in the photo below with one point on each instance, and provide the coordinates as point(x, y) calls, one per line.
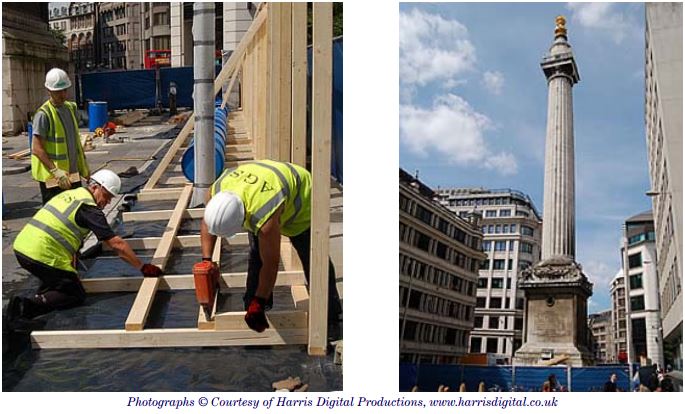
point(270, 65)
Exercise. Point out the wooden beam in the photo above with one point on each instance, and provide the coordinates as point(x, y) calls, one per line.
point(182, 282)
point(151, 243)
point(278, 320)
point(158, 338)
point(300, 297)
point(141, 306)
point(176, 180)
point(299, 84)
point(284, 123)
point(159, 194)
point(322, 80)
point(274, 75)
point(175, 146)
point(191, 213)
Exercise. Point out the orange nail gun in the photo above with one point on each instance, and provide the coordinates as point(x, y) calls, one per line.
point(206, 276)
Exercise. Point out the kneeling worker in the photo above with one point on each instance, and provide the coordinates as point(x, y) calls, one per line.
point(48, 244)
point(266, 199)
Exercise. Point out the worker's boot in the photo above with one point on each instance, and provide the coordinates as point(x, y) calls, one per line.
point(19, 314)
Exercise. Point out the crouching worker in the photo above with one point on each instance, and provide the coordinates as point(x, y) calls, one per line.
point(266, 199)
point(47, 247)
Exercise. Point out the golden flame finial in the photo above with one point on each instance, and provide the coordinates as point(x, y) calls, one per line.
point(560, 30)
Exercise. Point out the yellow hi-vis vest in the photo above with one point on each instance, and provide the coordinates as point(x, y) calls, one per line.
point(266, 185)
point(52, 236)
point(56, 145)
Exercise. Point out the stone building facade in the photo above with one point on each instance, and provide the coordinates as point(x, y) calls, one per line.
point(29, 50)
point(602, 346)
point(511, 239)
point(439, 258)
point(664, 133)
point(618, 317)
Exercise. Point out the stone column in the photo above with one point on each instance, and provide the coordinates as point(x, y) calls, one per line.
point(559, 228)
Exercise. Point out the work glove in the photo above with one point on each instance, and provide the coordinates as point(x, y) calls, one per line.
point(255, 317)
point(150, 270)
point(62, 178)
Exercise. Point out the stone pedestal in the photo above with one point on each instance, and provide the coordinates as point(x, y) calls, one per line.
point(556, 314)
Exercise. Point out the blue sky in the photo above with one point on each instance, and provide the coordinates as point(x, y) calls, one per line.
point(473, 107)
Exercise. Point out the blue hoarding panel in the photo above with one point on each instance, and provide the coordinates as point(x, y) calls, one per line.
point(121, 90)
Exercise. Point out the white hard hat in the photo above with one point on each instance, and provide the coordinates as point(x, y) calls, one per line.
point(109, 180)
point(57, 80)
point(224, 214)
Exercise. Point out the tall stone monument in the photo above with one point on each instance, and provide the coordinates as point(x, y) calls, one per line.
point(556, 289)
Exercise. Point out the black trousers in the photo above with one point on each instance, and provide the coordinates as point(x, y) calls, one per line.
point(301, 243)
point(59, 289)
point(48, 193)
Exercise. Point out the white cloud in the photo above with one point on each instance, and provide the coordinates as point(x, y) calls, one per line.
point(493, 81)
point(603, 17)
point(454, 129)
point(433, 48)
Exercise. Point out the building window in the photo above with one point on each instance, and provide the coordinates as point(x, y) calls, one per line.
point(637, 303)
point(486, 245)
point(505, 228)
point(519, 303)
point(510, 264)
point(498, 264)
point(636, 281)
point(498, 228)
point(476, 343)
point(484, 229)
point(527, 231)
point(490, 213)
point(478, 322)
point(505, 213)
point(422, 241)
point(497, 282)
point(421, 213)
point(635, 260)
point(491, 345)
point(495, 303)
point(491, 228)
point(493, 322)
point(525, 247)
point(484, 264)
point(482, 282)
point(441, 250)
point(512, 228)
point(511, 245)
point(480, 302)
point(518, 323)
point(500, 246)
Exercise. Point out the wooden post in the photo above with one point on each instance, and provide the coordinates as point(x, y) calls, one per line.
point(273, 79)
point(283, 132)
point(322, 86)
point(299, 84)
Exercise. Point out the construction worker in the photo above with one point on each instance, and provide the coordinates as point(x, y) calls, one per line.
point(266, 199)
point(56, 149)
point(48, 244)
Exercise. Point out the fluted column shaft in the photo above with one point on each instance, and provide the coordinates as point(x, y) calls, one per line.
point(558, 230)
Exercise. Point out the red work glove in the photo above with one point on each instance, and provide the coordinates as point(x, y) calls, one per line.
point(255, 317)
point(150, 270)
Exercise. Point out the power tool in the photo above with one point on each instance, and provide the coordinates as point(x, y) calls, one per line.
point(206, 276)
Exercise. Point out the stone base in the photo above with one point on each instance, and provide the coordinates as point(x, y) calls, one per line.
point(539, 354)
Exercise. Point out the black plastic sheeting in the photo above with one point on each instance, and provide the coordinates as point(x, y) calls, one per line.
point(164, 369)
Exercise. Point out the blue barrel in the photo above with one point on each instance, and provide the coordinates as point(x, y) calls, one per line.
point(97, 115)
point(29, 128)
point(220, 129)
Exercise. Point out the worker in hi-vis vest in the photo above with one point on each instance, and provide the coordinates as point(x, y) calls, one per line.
point(48, 244)
point(56, 149)
point(266, 199)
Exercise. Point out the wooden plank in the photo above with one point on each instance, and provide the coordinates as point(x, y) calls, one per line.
point(300, 297)
point(278, 320)
point(273, 80)
point(230, 86)
point(191, 213)
point(141, 306)
point(284, 122)
point(151, 243)
point(322, 66)
point(160, 194)
point(178, 142)
point(183, 282)
point(176, 180)
point(157, 338)
point(202, 323)
point(299, 84)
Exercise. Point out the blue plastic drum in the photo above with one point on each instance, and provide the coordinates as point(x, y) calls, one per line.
point(97, 115)
point(220, 129)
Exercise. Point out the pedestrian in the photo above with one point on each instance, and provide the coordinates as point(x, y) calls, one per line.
point(610, 386)
point(553, 383)
point(56, 149)
point(48, 244)
point(267, 199)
